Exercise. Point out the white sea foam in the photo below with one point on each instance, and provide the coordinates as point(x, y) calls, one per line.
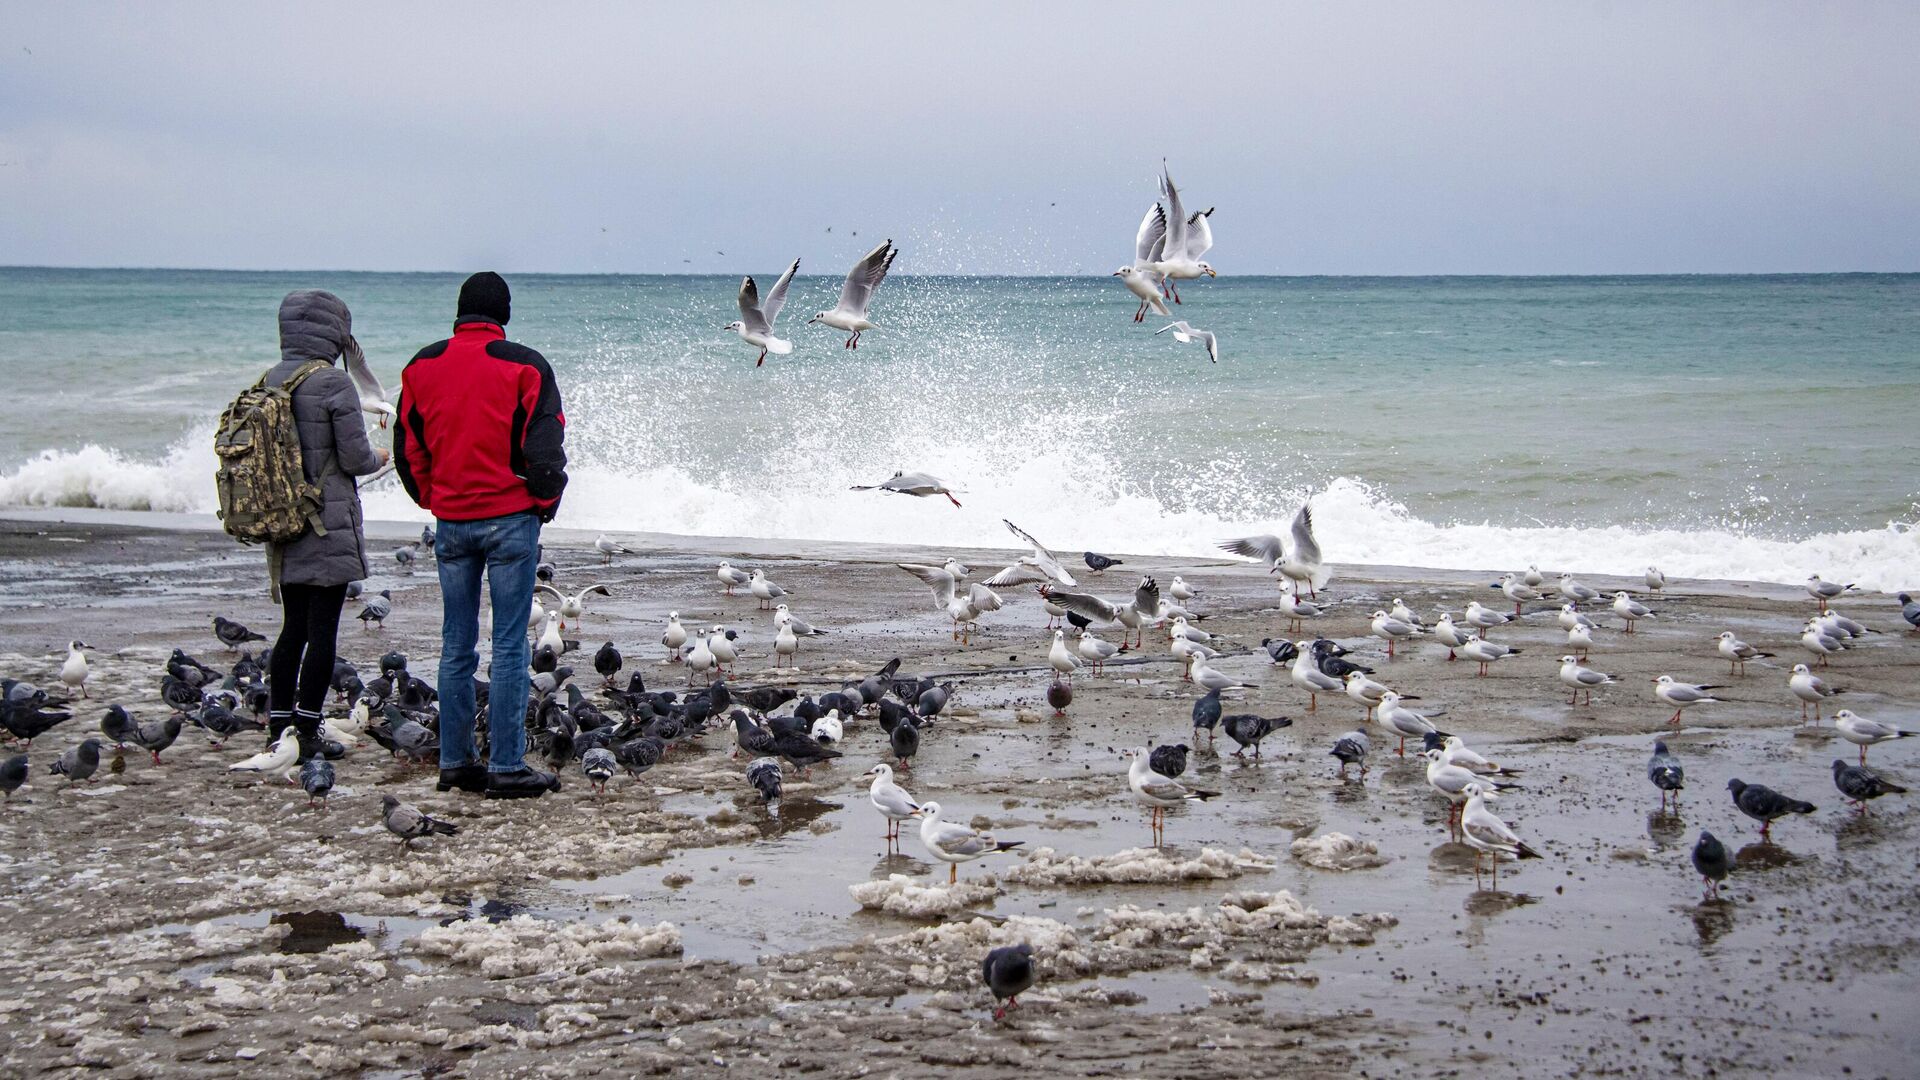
point(1070, 498)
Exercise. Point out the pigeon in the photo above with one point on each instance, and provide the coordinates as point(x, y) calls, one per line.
point(828, 729)
point(154, 736)
point(1279, 650)
point(1008, 973)
point(1247, 730)
point(933, 700)
point(1763, 804)
point(1169, 761)
point(1910, 610)
point(757, 741)
point(417, 741)
point(118, 727)
point(1099, 563)
point(13, 773)
point(1206, 714)
point(316, 779)
point(354, 589)
point(404, 555)
point(1351, 749)
point(78, 763)
point(904, 740)
point(1711, 860)
point(426, 537)
point(408, 823)
point(1060, 695)
point(376, 610)
point(190, 670)
point(764, 775)
point(606, 662)
point(278, 757)
point(638, 755)
point(1666, 774)
point(1859, 784)
point(232, 634)
point(598, 764)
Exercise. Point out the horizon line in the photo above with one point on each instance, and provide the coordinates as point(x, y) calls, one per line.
point(1091, 275)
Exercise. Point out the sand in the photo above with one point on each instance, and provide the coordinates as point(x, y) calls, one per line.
point(176, 918)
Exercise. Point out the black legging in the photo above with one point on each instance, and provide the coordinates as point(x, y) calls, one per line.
point(306, 647)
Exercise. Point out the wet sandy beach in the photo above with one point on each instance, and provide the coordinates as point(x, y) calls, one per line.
point(177, 918)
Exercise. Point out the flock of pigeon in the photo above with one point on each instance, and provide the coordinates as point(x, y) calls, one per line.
point(1168, 247)
point(631, 727)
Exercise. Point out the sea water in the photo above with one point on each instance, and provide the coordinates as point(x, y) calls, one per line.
point(1758, 427)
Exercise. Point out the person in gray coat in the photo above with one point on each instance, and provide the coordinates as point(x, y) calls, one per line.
point(314, 570)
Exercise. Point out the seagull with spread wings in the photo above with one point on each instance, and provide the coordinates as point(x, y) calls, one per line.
point(755, 324)
point(850, 314)
point(1189, 236)
point(1305, 565)
point(1140, 278)
point(1040, 566)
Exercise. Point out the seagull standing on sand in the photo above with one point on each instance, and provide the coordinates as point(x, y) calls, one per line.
point(74, 672)
point(755, 324)
point(675, 638)
point(850, 314)
point(1682, 696)
point(1140, 278)
point(1738, 652)
point(1187, 334)
point(1392, 630)
point(1820, 643)
point(731, 577)
point(1158, 792)
point(1060, 659)
point(1452, 781)
point(1296, 609)
point(1307, 676)
point(1446, 633)
point(1810, 689)
point(1656, 580)
point(918, 484)
point(607, 548)
point(1863, 732)
point(1484, 619)
point(764, 590)
point(953, 843)
point(1188, 237)
point(1211, 679)
point(1580, 639)
point(1518, 591)
point(1581, 679)
point(1629, 609)
point(1824, 591)
point(1575, 592)
point(1484, 832)
point(1402, 722)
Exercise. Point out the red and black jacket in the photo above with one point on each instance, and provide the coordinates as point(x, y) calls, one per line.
point(481, 433)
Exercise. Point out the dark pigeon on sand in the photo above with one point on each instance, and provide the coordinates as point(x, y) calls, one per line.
point(1860, 784)
point(1008, 973)
point(79, 763)
point(1169, 761)
point(1099, 563)
point(316, 779)
point(1710, 858)
point(13, 773)
point(764, 775)
point(409, 824)
point(1351, 749)
point(233, 634)
point(1764, 805)
point(1206, 714)
point(1247, 730)
point(1664, 771)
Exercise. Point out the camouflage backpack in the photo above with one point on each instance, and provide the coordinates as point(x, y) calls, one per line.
point(264, 491)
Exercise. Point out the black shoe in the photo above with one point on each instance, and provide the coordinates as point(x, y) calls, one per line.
point(309, 745)
point(464, 777)
point(526, 783)
point(332, 750)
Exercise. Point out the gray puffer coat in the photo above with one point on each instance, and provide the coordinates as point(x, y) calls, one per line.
point(315, 325)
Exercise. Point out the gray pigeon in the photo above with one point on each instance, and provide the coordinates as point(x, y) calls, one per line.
point(638, 755)
point(377, 609)
point(803, 751)
point(1666, 774)
point(1206, 714)
point(1910, 610)
point(1763, 804)
point(316, 779)
point(407, 823)
point(232, 634)
point(154, 736)
point(598, 764)
point(415, 740)
point(78, 763)
point(1247, 730)
point(404, 555)
point(1351, 749)
point(1860, 784)
point(934, 699)
point(1008, 973)
point(749, 736)
point(1710, 858)
point(118, 726)
point(764, 775)
point(904, 740)
point(1169, 761)
point(13, 773)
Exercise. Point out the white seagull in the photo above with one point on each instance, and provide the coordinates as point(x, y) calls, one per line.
point(1186, 334)
point(1810, 689)
point(1139, 277)
point(731, 577)
point(953, 843)
point(1188, 237)
point(892, 800)
point(675, 638)
point(1308, 676)
point(1040, 566)
point(1305, 565)
point(1737, 652)
point(373, 396)
point(1863, 732)
point(763, 589)
point(1578, 679)
point(1682, 696)
point(755, 324)
point(572, 607)
point(918, 484)
point(1484, 832)
point(1629, 609)
point(850, 314)
point(1158, 792)
point(606, 546)
point(74, 672)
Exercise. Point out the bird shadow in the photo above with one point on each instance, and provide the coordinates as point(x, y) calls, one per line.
point(897, 863)
point(1664, 827)
point(1860, 829)
point(793, 813)
point(1712, 919)
point(1452, 857)
point(1765, 855)
point(1350, 790)
point(1494, 902)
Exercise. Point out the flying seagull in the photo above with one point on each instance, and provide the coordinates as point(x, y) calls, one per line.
point(850, 313)
point(755, 324)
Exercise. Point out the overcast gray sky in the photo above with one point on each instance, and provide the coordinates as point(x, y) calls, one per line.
point(1010, 138)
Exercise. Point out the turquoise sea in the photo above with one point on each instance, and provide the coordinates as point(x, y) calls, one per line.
point(1750, 427)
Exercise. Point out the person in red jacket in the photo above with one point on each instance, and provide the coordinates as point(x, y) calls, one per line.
point(481, 445)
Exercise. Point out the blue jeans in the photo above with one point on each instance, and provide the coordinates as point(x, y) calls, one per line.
point(505, 549)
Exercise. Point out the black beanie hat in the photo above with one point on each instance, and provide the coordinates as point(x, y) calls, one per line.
point(485, 294)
